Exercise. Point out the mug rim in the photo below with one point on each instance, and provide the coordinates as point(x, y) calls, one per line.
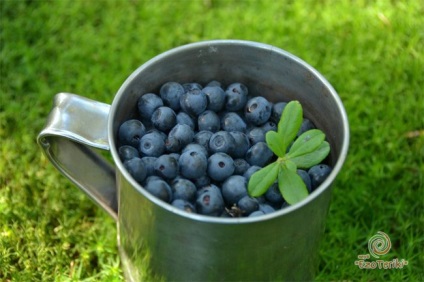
point(238, 220)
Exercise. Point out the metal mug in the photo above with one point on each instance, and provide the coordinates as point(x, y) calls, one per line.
point(159, 242)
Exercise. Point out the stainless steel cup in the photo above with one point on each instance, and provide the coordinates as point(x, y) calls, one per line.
point(157, 241)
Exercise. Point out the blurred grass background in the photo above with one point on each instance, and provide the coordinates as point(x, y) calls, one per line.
point(370, 51)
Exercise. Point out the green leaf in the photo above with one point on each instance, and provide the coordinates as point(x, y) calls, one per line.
point(290, 122)
point(261, 180)
point(306, 143)
point(290, 165)
point(312, 158)
point(291, 186)
point(273, 140)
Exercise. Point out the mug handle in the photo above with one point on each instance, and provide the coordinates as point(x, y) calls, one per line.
point(75, 126)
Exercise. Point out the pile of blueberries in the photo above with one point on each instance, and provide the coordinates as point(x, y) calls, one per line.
point(196, 147)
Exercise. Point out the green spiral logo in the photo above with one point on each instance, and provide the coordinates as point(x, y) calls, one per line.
point(379, 244)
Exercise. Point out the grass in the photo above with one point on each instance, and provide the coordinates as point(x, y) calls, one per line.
point(371, 52)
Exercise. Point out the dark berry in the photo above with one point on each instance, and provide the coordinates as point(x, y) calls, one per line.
point(149, 165)
point(194, 102)
point(306, 125)
point(236, 97)
point(257, 110)
point(209, 201)
point(184, 118)
point(166, 166)
point(221, 141)
point(306, 179)
point(202, 138)
point(220, 166)
point(127, 152)
point(256, 134)
point(130, 132)
point(183, 189)
point(179, 137)
point(259, 154)
point(273, 195)
point(248, 205)
point(152, 144)
point(241, 144)
point(184, 205)
point(231, 121)
point(318, 174)
point(240, 166)
point(160, 189)
point(164, 118)
point(135, 167)
point(216, 97)
point(192, 164)
point(277, 110)
point(250, 171)
point(208, 120)
point(147, 104)
point(233, 189)
point(170, 93)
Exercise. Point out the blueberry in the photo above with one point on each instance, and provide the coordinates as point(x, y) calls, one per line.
point(209, 201)
point(184, 205)
point(257, 110)
point(221, 141)
point(183, 189)
point(220, 166)
point(231, 121)
point(250, 171)
point(306, 179)
point(208, 120)
point(183, 118)
point(164, 118)
point(248, 205)
point(191, 86)
point(195, 147)
point(135, 167)
point(236, 97)
point(241, 144)
point(318, 174)
point(202, 138)
point(268, 126)
point(176, 156)
point(306, 125)
point(202, 181)
point(233, 189)
point(147, 104)
point(216, 97)
point(265, 208)
point(192, 164)
point(127, 152)
point(277, 110)
point(152, 144)
point(179, 136)
point(257, 213)
point(149, 165)
point(259, 154)
point(166, 166)
point(240, 166)
point(160, 189)
point(130, 132)
point(170, 93)
point(256, 134)
point(194, 102)
point(214, 83)
point(273, 195)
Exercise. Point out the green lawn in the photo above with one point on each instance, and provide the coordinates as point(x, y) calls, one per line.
point(372, 52)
